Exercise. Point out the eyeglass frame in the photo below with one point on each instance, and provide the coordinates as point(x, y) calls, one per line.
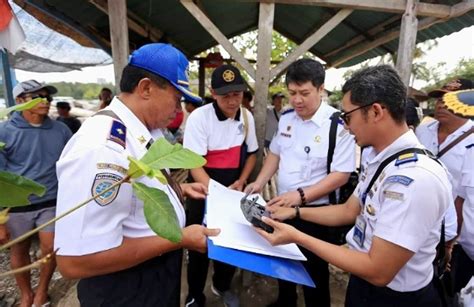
point(48, 97)
point(343, 115)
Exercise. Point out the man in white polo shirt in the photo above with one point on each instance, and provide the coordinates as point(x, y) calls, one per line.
point(224, 133)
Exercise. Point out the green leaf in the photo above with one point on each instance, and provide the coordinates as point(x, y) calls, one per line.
point(21, 107)
point(137, 169)
point(4, 216)
point(19, 189)
point(2, 145)
point(163, 155)
point(159, 212)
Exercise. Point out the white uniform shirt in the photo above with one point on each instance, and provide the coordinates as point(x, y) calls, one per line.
point(466, 191)
point(302, 146)
point(454, 159)
point(405, 207)
point(93, 160)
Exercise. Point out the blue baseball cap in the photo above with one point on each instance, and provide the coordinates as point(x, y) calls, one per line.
point(167, 62)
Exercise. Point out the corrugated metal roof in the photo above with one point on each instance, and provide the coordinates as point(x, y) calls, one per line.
point(296, 22)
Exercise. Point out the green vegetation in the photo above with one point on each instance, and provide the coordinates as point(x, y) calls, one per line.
point(80, 90)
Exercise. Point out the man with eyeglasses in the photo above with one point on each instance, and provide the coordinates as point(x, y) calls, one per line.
point(33, 145)
point(397, 207)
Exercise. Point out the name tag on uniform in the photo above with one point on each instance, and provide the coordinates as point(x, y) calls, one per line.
point(305, 171)
point(359, 230)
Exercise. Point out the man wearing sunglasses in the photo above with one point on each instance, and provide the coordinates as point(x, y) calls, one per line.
point(398, 219)
point(33, 145)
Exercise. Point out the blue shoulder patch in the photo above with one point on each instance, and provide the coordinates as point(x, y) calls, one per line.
point(118, 133)
point(400, 179)
point(405, 158)
point(470, 146)
point(288, 111)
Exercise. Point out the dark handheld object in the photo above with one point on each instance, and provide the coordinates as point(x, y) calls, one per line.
point(253, 212)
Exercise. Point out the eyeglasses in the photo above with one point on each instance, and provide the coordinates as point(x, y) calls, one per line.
point(347, 119)
point(47, 97)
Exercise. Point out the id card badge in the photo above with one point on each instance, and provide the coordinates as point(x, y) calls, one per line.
point(305, 171)
point(359, 230)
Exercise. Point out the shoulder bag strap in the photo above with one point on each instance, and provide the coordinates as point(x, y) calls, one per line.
point(331, 147)
point(456, 141)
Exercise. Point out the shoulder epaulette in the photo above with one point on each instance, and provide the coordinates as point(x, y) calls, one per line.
point(470, 146)
point(288, 111)
point(405, 158)
point(118, 133)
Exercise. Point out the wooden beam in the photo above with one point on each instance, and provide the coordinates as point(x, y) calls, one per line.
point(392, 6)
point(407, 42)
point(118, 36)
point(202, 78)
point(264, 51)
point(134, 22)
point(381, 27)
point(311, 41)
point(382, 38)
point(209, 26)
point(6, 78)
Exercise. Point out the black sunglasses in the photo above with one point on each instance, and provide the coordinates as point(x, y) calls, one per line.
point(47, 97)
point(347, 119)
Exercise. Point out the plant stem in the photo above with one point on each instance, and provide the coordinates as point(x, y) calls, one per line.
point(33, 265)
point(37, 229)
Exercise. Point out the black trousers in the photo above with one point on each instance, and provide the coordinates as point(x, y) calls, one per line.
point(361, 293)
point(199, 263)
point(154, 283)
point(462, 268)
point(317, 268)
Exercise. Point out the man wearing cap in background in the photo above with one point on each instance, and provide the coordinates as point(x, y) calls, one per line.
point(224, 133)
point(273, 117)
point(63, 111)
point(451, 137)
point(33, 145)
point(108, 243)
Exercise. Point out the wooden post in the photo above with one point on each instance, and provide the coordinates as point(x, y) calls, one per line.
point(202, 78)
point(264, 48)
point(118, 36)
point(407, 41)
point(7, 79)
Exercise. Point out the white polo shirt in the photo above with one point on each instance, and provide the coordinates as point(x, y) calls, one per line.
point(302, 146)
point(95, 158)
point(466, 191)
point(405, 207)
point(219, 139)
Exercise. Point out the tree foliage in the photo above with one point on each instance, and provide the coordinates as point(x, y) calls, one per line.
point(80, 90)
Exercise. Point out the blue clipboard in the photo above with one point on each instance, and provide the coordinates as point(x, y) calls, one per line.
point(286, 269)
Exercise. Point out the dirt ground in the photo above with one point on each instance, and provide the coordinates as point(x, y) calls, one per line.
point(253, 289)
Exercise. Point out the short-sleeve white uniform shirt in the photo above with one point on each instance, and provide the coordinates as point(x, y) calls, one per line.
point(92, 160)
point(405, 206)
point(302, 146)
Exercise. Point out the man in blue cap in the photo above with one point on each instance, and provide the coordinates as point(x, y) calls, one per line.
point(108, 243)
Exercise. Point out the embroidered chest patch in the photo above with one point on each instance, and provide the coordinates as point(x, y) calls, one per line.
point(103, 181)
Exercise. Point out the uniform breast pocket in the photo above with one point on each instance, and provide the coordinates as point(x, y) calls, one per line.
point(285, 142)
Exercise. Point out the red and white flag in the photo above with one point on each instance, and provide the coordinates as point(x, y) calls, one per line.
point(11, 33)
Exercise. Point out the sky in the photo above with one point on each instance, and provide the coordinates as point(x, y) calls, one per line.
point(450, 49)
